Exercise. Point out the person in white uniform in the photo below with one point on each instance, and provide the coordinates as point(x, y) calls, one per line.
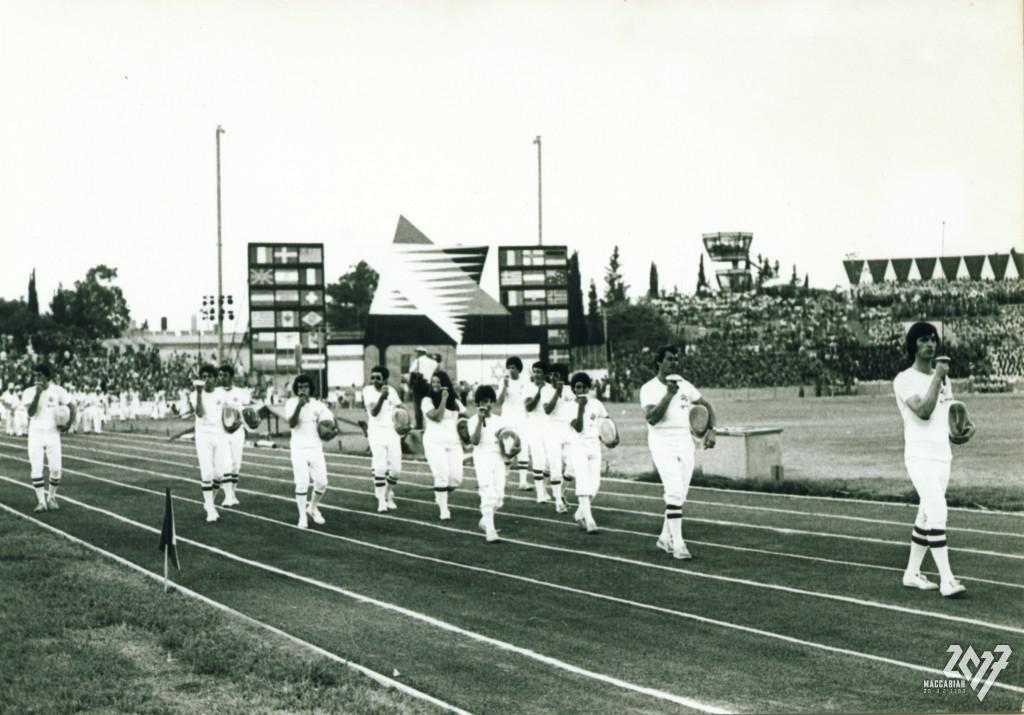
point(381, 400)
point(666, 400)
point(421, 369)
point(559, 405)
point(441, 444)
point(584, 449)
point(7, 404)
point(212, 447)
point(237, 397)
point(488, 461)
point(536, 427)
point(923, 396)
point(307, 451)
point(512, 404)
point(41, 402)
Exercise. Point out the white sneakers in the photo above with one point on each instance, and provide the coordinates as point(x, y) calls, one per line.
point(588, 525)
point(490, 534)
point(919, 581)
point(303, 521)
point(382, 507)
point(211, 515)
point(560, 507)
point(51, 503)
point(948, 589)
point(679, 551)
point(315, 515)
point(665, 544)
point(390, 504)
point(40, 507)
point(951, 588)
point(230, 500)
point(446, 515)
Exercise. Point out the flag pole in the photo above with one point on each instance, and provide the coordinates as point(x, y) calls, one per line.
point(166, 586)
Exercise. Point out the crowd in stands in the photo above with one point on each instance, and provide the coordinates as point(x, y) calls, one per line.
point(762, 338)
point(830, 338)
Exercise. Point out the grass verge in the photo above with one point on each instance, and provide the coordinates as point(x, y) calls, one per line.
point(980, 497)
point(83, 634)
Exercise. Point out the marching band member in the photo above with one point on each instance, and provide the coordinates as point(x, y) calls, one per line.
point(380, 400)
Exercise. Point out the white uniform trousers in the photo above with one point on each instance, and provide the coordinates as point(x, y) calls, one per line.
point(236, 444)
point(533, 446)
point(673, 453)
point(445, 460)
point(44, 445)
point(490, 478)
point(930, 478)
point(214, 455)
point(309, 464)
point(556, 438)
point(386, 452)
point(585, 456)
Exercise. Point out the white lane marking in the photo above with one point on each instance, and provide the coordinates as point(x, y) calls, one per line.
point(725, 505)
point(362, 669)
point(563, 523)
point(546, 584)
point(619, 510)
point(617, 559)
point(415, 615)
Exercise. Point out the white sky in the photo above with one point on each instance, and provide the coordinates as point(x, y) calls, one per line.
point(823, 127)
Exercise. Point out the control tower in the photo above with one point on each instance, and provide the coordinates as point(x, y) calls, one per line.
point(730, 248)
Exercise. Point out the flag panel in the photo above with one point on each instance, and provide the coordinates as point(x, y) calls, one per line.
point(285, 254)
point(312, 277)
point(259, 339)
point(287, 296)
point(312, 319)
point(261, 297)
point(312, 297)
point(262, 319)
point(287, 318)
point(311, 255)
point(261, 277)
point(286, 277)
point(287, 341)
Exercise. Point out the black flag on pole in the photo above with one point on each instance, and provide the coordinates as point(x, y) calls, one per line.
point(168, 537)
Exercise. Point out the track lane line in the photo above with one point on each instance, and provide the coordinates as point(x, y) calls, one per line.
point(689, 616)
point(362, 669)
point(607, 557)
point(401, 610)
point(797, 497)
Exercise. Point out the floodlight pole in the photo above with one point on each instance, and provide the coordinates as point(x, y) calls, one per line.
point(540, 223)
point(220, 264)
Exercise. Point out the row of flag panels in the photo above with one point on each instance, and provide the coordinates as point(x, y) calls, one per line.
point(286, 319)
point(286, 277)
point(879, 268)
point(285, 254)
point(267, 341)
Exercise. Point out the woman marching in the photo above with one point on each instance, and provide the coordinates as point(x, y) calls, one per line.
point(441, 443)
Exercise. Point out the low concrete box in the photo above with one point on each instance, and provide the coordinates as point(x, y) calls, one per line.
point(744, 452)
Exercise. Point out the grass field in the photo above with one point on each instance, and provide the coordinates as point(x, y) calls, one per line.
point(790, 604)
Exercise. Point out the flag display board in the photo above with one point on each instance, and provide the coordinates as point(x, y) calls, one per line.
point(287, 318)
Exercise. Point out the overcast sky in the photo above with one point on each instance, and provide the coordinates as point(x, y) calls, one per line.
point(823, 127)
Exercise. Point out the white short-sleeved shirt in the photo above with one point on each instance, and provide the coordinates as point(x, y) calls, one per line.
point(446, 431)
point(677, 415)
point(514, 405)
point(304, 434)
point(385, 418)
point(924, 439)
point(536, 416)
point(565, 409)
point(488, 434)
point(213, 411)
point(45, 419)
point(593, 412)
point(237, 397)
